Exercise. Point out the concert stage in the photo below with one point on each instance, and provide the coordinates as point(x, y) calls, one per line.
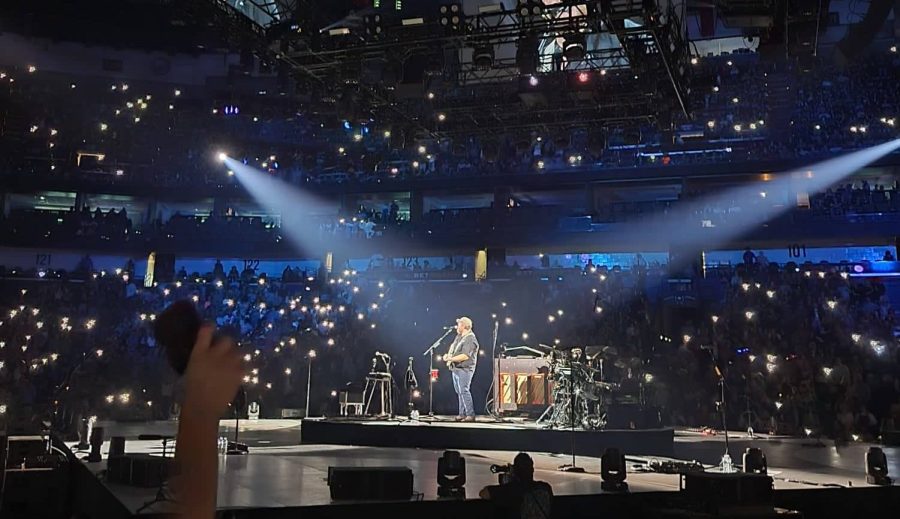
point(485, 434)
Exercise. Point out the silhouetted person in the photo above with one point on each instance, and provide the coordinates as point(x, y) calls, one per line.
point(749, 257)
point(522, 497)
point(218, 270)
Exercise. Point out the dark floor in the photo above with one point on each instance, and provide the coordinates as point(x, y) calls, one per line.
point(279, 472)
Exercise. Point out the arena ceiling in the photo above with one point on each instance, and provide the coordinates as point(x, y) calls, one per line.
point(432, 69)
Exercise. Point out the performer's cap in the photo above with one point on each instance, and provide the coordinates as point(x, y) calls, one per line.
point(465, 322)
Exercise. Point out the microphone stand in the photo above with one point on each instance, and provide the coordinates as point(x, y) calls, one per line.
point(410, 383)
point(388, 366)
point(235, 447)
point(572, 402)
point(726, 465)
point(430, 353)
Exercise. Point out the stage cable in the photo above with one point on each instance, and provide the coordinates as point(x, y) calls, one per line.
point(490, 403)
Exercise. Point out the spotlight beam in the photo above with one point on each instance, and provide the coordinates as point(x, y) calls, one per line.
point(301, 214)
point(682, 228)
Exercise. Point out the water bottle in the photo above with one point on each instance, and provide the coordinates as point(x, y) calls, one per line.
point(727, 465)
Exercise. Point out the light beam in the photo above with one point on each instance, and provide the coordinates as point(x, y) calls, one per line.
point(302, 214)
point(683, 229)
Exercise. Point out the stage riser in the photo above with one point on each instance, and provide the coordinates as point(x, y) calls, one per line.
point(816, 503)
point(648, 442)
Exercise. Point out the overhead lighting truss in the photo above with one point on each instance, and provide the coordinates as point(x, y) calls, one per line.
point(655, 43)
point(640, 43)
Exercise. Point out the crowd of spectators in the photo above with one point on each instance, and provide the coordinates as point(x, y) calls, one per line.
point(157, 135)
point(857, 199)
point(87, 342)
point(115, 228)
point(809, 351)
point(844, 108)
point(83, 227)
point(733, 102)
point(805, 349)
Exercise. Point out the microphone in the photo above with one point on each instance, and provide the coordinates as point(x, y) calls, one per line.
point(448, 328)
point(382, 354)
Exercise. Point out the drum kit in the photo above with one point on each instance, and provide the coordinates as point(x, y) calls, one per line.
point(581, 394)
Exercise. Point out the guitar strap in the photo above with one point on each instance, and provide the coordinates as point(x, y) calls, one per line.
point(454, 346)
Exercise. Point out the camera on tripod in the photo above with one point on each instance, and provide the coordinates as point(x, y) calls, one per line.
point(504, 473)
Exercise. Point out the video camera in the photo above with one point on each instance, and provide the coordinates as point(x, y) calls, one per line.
point(504, 473)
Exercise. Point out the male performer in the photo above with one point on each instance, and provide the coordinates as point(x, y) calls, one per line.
point(461, 360)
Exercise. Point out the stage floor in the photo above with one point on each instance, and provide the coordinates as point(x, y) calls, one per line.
point(280, 472)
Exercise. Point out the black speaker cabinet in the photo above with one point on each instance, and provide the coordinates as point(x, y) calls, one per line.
point(140, 470)
point(381, 483)
point(36, 493)
point(718, 493)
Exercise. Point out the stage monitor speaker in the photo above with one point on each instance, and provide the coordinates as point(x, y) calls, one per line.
point(18, 451)
point(96, 442)
point(28, 494)
point(116, 446)
point(375, 483)
point(718, 493)
point(139, 470)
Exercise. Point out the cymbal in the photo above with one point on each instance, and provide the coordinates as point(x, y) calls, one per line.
point(627, 362)
point(594, 351)
point(569, 347)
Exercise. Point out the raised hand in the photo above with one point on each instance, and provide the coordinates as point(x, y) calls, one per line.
point(213, 374)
